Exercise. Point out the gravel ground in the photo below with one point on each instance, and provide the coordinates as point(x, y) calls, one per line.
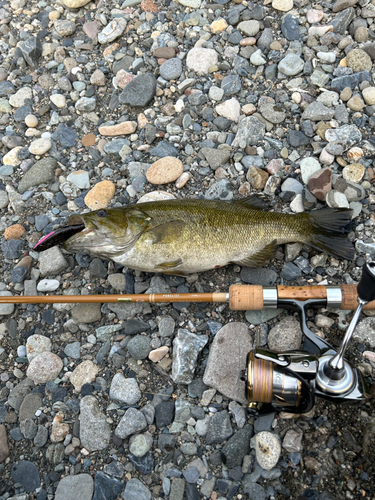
point(102, 105)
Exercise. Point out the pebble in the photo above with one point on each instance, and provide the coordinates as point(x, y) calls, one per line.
point(124, 389)
point(200, 60)
point(353, 172)
point(44, 367)
point(268, 449)
point(100, 195)
point(58, 100)
point(36, 344)
point(285, 335)
point(81, 485)
point(15, 231)
point(31, 121)
point(124, 128)
point(283, 5)
point(165, 170)
point(291, 65)
point(308, 167)
point(40, 146)
point(95, 432)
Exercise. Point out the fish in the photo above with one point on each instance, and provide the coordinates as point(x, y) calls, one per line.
point(193, 235)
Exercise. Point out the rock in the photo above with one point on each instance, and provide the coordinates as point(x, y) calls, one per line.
point(40, 146)
point(124, 128)
point(18, 99)
point(282, 5)
point(257, 177)
point(140, 444)
point(44, 367)
point(308, 167)
point(76, 486)
point(218, 25)
point(250, 132)
point(42, 172)
point(165, 170)
point(201, 60)
point(316, 111)
point(237, 447)
point(26, 473)
point(290, 27)
point(100, 195)
point(113, 30)
point(216, 157)
point(257, 58)
point(95, 432)
point(229, 348)
point(139, 347)
point(320, 183)
point(133, 421)
point(351, 81)
point(273, 113)
point(64, 27)
point(230, 109)
point(365, 331)
point(36, 344)
point(158, 354)
point(31, 50)
point(268, 449)
point(86, 313)
point(249, 28)
point(135, 490)
point(369, 95)
point(52, 261)
point(125, 390)
point(358, 60)
point(15, 231)
point(346, 135)
point(80, 179)
point(171, 69)
point(4, 448)
point(292, 441)
point(353, 172)
point(285, 335)
point(106, 488)
point(139, 91)
point(84, 373)
point(219, 428)
point(291, 65)
point(164, 413)
point(186, 348)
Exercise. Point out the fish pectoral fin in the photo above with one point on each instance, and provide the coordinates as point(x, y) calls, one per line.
point(168, 266)
point(167, 232)
point(256, 201)
point(259, 258)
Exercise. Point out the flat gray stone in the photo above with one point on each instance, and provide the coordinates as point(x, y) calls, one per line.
point(42, 172)
point(95, 432)
point(52, 262)
point(227, 358)
point(186, 348)
point(285, 335)
point(125, 390)
point(72, 487)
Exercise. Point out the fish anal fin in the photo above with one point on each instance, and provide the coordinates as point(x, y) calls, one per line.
point(167, 232)
point(259, 258)
point(257, 202)
point(169, 267)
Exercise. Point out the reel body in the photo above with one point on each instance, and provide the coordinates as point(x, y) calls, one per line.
point(290, 381)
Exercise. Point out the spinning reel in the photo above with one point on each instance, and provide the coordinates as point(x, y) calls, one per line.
point(290, 381)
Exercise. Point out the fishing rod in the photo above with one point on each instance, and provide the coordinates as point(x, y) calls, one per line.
point(239, 297)
point(288, 381)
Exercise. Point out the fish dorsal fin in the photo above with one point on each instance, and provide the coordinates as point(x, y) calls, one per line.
point(167, 232)
point(259, 258)
point(256, 201)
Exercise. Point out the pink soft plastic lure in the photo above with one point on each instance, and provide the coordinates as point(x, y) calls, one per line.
point(57, 237)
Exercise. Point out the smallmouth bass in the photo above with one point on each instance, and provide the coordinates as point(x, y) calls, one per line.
point(186, 236)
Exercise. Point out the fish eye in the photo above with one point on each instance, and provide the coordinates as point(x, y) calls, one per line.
point(102, 213)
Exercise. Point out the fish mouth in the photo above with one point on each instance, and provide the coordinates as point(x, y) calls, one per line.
point(75, 225)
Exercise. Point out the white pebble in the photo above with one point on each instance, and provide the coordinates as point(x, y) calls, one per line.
point(31, 121)
point(58, 100)
point(48, 285)
point(268, 449)
point(40, 146)
point(21, 351)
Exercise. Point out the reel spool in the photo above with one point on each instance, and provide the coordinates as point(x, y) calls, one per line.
point(290, 381)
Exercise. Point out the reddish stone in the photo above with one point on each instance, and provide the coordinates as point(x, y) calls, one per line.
point(320, 183)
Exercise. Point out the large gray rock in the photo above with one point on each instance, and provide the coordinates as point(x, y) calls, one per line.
point(52, 262)
point(186, 347)
point(365, 331)
point(227, 359)
point(250, 133)
point(72, 487)
point(95, 432)
point(286, 335)
point(42, 172)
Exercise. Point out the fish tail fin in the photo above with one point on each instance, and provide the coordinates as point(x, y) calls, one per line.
point(327, 232)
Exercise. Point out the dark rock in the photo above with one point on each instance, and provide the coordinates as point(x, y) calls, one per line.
point(26, 473)
point(237, 446)
point(106, 488)
point(43, 171)
point(351, 81)
point(98, 269)
point(19, 274)
point(13, 249)
point(231, 84)
point(264, 422)
point(342, 20)
point(163, 149)
point(145, 464)
point(21, 113)
point(253, 490)
point(289, 27)
point(191, 475)
point(140, 91)
point(219, 428)
point(7, 88)
point(197, 388)
point(264, 277)
point(134, 326)
point(41, 221)
point(296, 138)
point(139, 347)
point(290, 271)
point(66, 136)
point(164, 413)
point(191, 492)
point(31, 50)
